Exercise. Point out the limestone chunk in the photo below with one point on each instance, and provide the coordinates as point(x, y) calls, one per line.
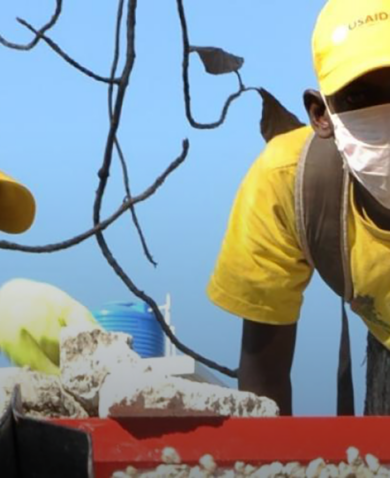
point(86, 359)
point(151, 394)
point(330, 471)
point(42, 395)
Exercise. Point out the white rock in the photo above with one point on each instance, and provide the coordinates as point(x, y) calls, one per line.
point(208, 464)
point(227, 474)
point(263, 472)
point(299, 472)
point(276, 468)
point(171, 471)
point(347, 472)
point(170, 456)
point(353, 456)
point(131, 471)
point(42, 395)
point(330, 471)
point(150, 394)
point(87, 357)
point(383, 472)
point(314, 468)
point(196, 472)
point(289, 468)
point(239, 467)
point(249, 470)
point(372, 463)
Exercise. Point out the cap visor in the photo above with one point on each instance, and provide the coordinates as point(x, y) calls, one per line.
point(350, 71)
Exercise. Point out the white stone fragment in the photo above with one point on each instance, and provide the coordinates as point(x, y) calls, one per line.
point(276, 468)
point(228, 474)
point(239, 467)
point(315, 467)
point(170, 456)
point(196, 472)
point(249, 470)
point(299, 472)
point(208, 464)
point(119, 474)
point(353, 456)
point(347, 472)
point(383, 472)
point(171, 471)
point(372, 462)
point(150, 394)
point(330, 471)
point(263, 472)
point(291, 467)
point(131, 471)
point(42, 395)
point(87, 357)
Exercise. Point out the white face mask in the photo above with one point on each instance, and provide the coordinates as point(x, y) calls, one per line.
point(363, 139)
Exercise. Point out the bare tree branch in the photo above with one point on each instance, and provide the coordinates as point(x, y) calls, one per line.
point(12, 246)
point(186, 81)
point(160, 318)
point(104, 174)
point(66, 57)
point(44, 29)
point(117, 144)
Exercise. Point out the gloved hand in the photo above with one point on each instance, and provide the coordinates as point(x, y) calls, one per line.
point(31, 317)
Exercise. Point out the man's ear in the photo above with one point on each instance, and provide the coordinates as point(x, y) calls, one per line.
point(318, 114)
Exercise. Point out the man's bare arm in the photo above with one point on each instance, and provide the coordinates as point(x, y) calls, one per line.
point(265, 364)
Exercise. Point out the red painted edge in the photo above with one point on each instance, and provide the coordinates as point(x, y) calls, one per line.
point(139, 441)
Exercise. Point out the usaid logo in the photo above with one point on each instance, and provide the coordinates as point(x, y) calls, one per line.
point(341, 33)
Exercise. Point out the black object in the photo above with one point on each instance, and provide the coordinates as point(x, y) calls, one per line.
point(33, 448)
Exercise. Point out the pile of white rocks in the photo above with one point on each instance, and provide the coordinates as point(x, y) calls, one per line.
point(354, 467)
point(102, 376)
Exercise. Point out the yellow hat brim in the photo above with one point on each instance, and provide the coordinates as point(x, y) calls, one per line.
point(17, 206)
point(350, 71)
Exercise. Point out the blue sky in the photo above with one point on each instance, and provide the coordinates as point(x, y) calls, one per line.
point(54, 124)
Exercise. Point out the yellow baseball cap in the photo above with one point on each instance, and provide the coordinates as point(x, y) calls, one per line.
point(351, 38)
point(17, 206)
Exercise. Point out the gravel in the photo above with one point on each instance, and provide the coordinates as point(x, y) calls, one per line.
point(355, 466)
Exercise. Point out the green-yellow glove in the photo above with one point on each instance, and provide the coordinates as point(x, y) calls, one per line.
point(31, 317)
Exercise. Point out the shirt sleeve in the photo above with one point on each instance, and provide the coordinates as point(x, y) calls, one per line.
point(261, 272)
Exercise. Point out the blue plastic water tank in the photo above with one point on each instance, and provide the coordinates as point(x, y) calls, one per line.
point(135, 319)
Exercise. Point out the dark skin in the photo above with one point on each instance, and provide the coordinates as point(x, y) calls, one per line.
point(267, 351)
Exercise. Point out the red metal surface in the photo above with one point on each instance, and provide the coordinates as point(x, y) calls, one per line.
point(139, 441)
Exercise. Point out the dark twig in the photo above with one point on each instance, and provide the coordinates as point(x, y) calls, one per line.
point(153, 305)
point(66, 57)
point(240, 82)
point(44, 29)
point(60, 246)
point(104, 174)
point(117, 144)
point(186, 81)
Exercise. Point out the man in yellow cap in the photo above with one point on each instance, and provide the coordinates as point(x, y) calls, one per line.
point(262, 272)
point(32, 313)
